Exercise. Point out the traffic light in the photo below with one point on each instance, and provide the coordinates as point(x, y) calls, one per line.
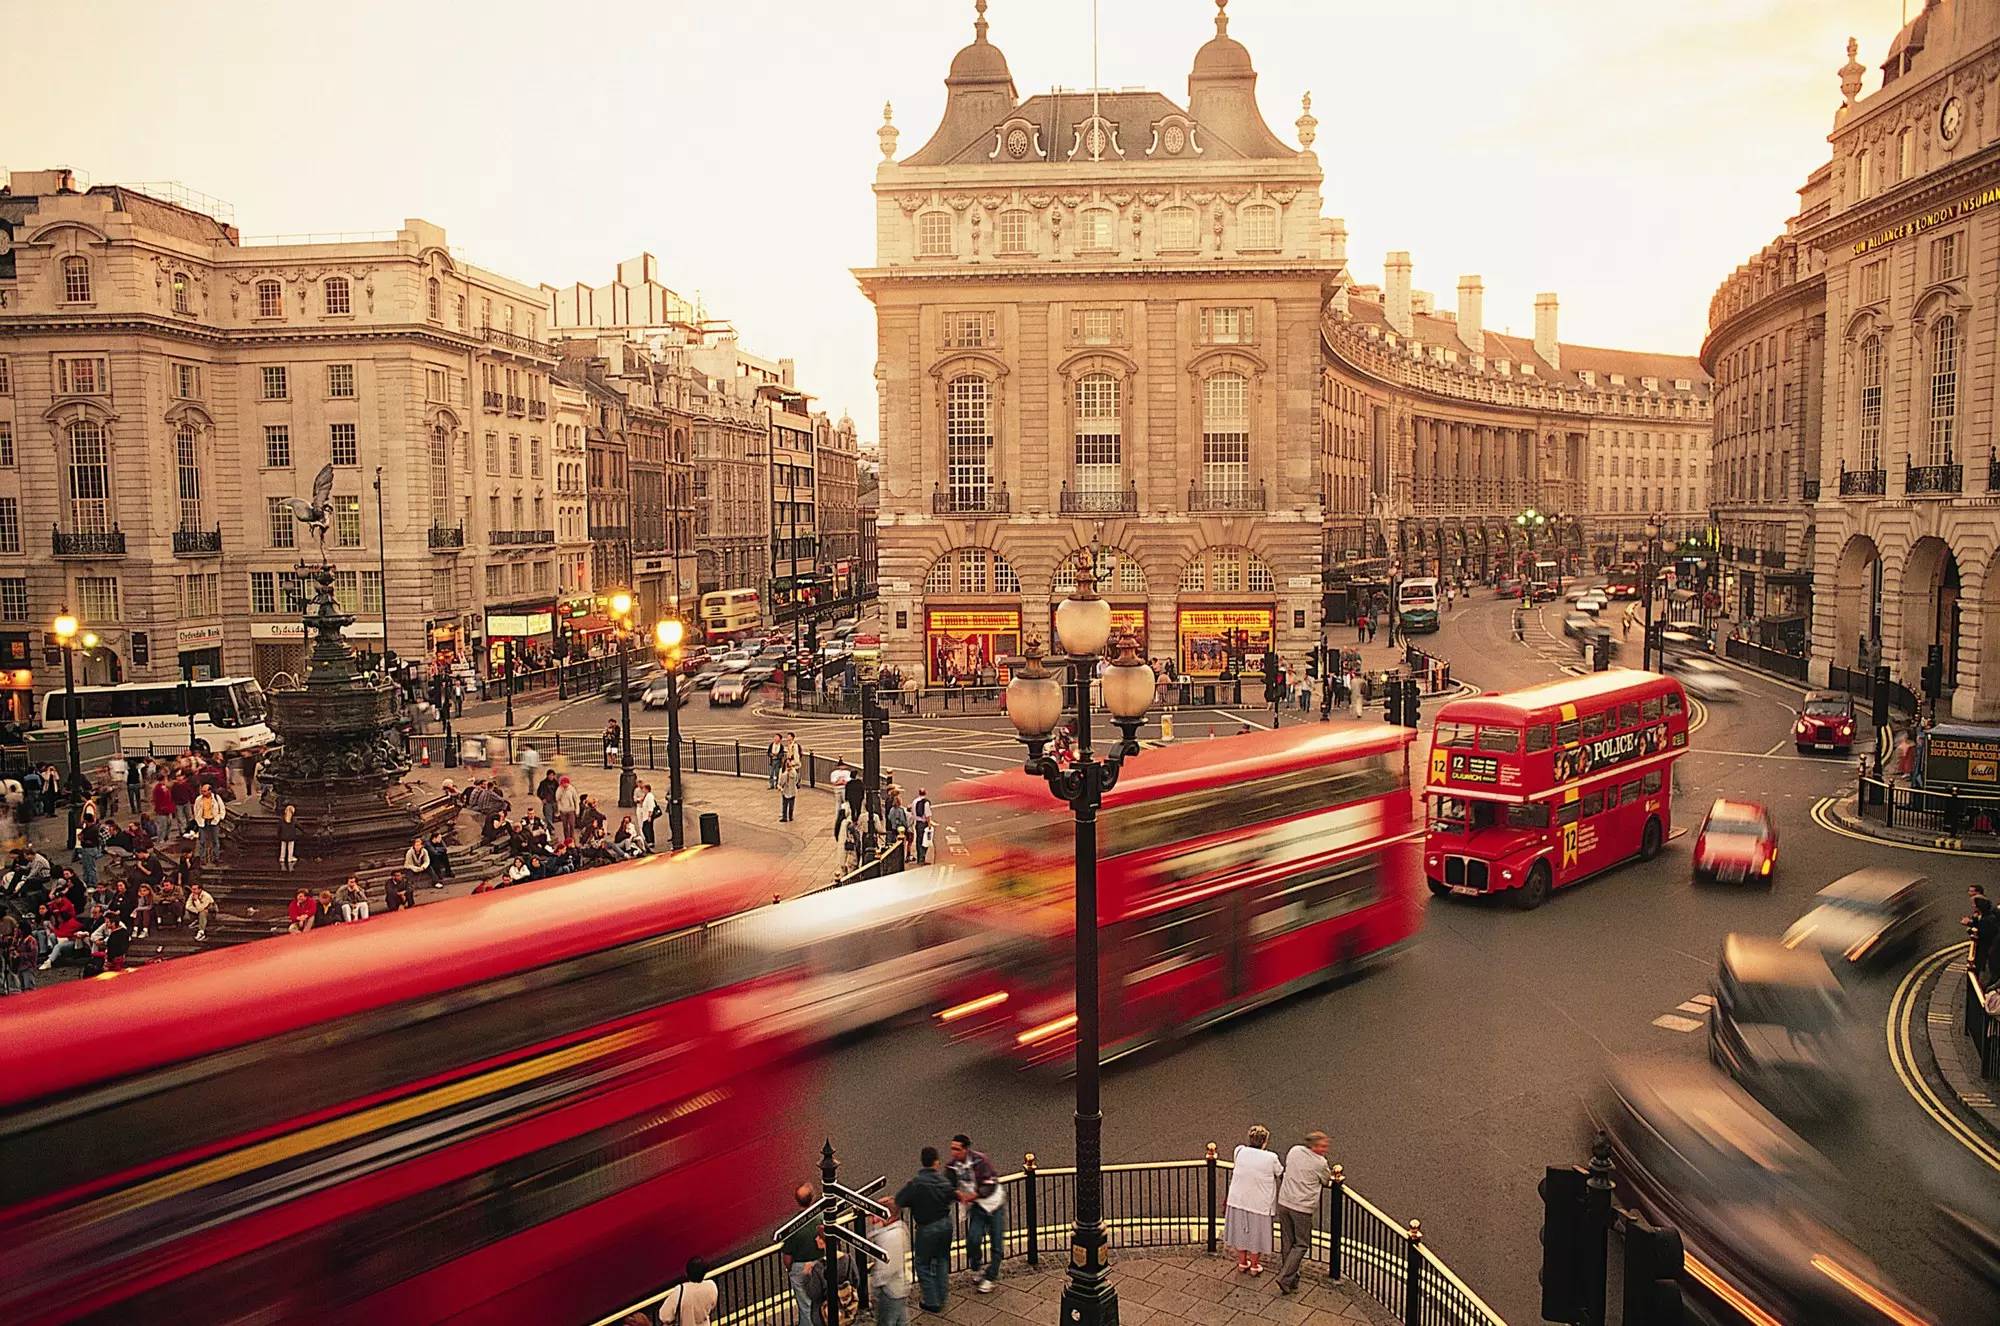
point(1933, 674)
point(1412, 705)
point(1653, 1262)
point(1882, 696)
point(1312, 664)
point(1562, 1272)
point(1392, 700)
point(1600, 653)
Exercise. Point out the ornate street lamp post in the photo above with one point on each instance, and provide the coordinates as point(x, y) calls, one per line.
point(64, 628)
point(1646, 653)
point(1530, 523)
point(1034, 706)
point(628, 777)
point(669, 634)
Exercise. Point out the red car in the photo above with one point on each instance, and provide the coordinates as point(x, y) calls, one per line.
point(1622, 589)
point(1825, 722)
point(1737, 842)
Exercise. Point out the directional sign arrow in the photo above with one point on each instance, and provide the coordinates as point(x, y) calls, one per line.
point(805, 1217)
point(859, 1201)
point(865, 1246)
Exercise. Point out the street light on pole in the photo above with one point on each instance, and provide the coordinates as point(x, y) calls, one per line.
point(628, 778)
point(1646, 658)
point(65, 628)
point(1530, 523)
point(1034, 706)
point(669, 634)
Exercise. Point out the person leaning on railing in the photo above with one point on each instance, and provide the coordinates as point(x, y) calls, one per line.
point(1306, 1172)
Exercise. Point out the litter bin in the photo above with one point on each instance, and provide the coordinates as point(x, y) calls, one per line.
point(710, 829)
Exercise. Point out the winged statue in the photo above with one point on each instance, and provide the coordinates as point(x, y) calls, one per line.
point(317, 514)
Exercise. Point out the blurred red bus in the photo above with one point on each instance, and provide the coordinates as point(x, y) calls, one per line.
point(1541, 787)
point(526, 1106)
point(1231, 873)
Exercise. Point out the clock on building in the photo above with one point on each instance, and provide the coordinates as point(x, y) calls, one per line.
point(1017, 143)
point(1951, 118)
point(1176, 139)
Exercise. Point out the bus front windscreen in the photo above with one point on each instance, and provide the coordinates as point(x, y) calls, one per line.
point(248, 699)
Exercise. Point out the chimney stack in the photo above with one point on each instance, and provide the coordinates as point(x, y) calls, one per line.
point(1396, 292)
point(1545, 330)
point(1471, 313)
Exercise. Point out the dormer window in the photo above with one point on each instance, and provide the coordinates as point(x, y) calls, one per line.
point(1527, 370)
point(1504, 367)
point(1587, 377)
point(1651, 384)
point(934, 235)
point(1683, 384)
point(1260, 227)
point(1617, 379)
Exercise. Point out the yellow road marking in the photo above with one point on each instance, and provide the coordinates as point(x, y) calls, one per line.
point(1901, 1013)
point(1822, 815)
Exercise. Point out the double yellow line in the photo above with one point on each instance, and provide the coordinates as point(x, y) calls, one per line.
point(1903, 1012)
point(1822, 815)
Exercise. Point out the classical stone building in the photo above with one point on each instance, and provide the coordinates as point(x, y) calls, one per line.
point(568, 402)
point(165, 386)
point(731, 474)
point(836, 455)
point(1766, 350)
point(1098, 325)
point(1891, 255)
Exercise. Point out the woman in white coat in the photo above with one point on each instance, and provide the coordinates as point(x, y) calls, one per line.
point(1253, 1201)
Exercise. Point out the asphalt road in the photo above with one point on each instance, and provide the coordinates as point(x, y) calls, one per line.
point(1449, 1077)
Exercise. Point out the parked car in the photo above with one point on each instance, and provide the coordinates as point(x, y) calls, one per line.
point(1541, 591)
point(1776, 1025)
point(729, 689)
point(1825, 722)
point(1868, 918)
point(1704, 677)
point(1737, 841)
point(660, 687)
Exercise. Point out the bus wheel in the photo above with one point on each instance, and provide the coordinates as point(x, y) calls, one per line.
point(1649, 842)
point(1536, 891)
point(1438, 890)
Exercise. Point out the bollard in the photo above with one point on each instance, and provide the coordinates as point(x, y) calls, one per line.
point(652, 757)
point(812, 769)
point(738, 744)
point(1413, 1276)
point(1334, 1222)
point(1028, 1199)
point(694, 755)
point(1210, 1167)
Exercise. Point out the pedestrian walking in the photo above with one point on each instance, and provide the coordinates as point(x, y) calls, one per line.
point(530, 761)
point(1253, 1201)
point(888, 1280)
point(788, 791)
point(928, 1198)
point(798, 1254)
point(288, 838)
point(1305, 1173)
point(545, 792)
point(985, 1203)
point(693, 1300)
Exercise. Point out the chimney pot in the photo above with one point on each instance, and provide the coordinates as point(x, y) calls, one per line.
point(1396, 292)
point(1472, 313)
point(1546, 345)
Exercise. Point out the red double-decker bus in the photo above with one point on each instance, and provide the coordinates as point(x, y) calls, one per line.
point(524, 1106)
point(1541, 787)
point(1231, 872)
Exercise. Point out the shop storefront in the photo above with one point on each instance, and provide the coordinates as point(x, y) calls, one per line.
point(278, 650)
point(964, 646)
point(446, 640)
point(528, 627)
point(200, 647)
point(1124, 617)
point(1210, 639)
point(17, 677)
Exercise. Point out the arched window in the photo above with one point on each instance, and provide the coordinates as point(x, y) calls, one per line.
point(436, 301)
point(1176, 228)
point(1225, 436)
point(440, 476)
point(972, 571)
point(1116, 572)
point(339, 298)
point(1099, 456)
point(1871, 403)
point(89, 478)
point(270, 300)
point(1944, 389)
point(968, 441)
point(181, 304)
point(1227, 571)
point(1010, 232)
point(934, 235)
point(1097, 229)
point(1260, 228)
point(76, 280)
point(187, 476)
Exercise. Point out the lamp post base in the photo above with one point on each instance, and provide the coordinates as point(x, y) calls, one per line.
point(1089, 1298)
point(628, 787)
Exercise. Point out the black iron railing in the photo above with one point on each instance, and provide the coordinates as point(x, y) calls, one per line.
point(1932, 810)
point(971, 502)
point(447, 536)
point(509, 341)
point(1983, 1027)
point(1162, 1205)
point(1790, 666)
point(517, 405)
point(522, 536)
point(538, 409)
point(1098, 501)
point(196, 542)
point(1863, 483)
point(1230, 497)
point(1934, 479)
point(492, 400)
point(609, 533)
point(1809, 490)
point(97, 543)
point(1772, 557)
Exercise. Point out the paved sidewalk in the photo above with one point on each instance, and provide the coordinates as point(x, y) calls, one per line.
point(1957, 1059)
point(1167, 1288)
point(1844, 813)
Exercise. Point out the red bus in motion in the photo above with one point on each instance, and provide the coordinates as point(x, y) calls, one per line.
point(524, 1106)
point(1231, 873)
point(1541, 787)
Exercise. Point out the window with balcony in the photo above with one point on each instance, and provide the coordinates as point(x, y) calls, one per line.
point(934, 234)
point(344, 444)
point(440, 476)
point(1098, 453)
point(1225, 437)
point(187, 477)
point(968, 432)
point(1944, 390)
point(76, 280)
point(1871, 403)
point(1177, 229)
point(270, 299)
point(89, 478)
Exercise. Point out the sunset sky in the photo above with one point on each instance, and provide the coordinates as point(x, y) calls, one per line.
point(1624, 154)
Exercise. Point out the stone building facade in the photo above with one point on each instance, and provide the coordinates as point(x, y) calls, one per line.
point(1098, 326)
point(836, 456)
point(164, 386)
point(731, 473)
point(1895, 241)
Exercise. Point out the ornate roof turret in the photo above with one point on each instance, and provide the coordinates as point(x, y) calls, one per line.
point(1223, 56)
point(1222, 93)
point(982, 61)
point(979, 90)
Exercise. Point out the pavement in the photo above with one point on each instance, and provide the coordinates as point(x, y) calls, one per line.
point(1169, 1288)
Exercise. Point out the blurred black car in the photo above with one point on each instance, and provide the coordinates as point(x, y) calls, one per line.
point(1776, 1025)
point(1751, 1199)
point(1871, 917)
point(635, 688)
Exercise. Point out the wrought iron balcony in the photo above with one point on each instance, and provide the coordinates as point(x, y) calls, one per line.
point(492, 400)
point(1772, 557)
point(538, 409)
point(517, 405)
point(1227, 498)
point(610, 533)
point(446, 538)
point(1098, 501)
point(102, 543)
point(1934, 479)
point(971, 502)
point(1810, 490)
point(197, 542)
point(1729, 552)
point(1993, 474)
point(500, 536)
point(1863, 483)
point(507, 340)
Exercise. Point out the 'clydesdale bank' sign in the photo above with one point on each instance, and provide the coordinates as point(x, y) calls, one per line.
point(1937, 216)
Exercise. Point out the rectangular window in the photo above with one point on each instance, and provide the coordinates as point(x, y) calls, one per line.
point(10, 525)
point(81, 377)
point(284, 530)
point(347, 522)
point(1611, 801)
point(1593, 726)
point(1098, 326)
point(1538, 738)
point(14, 599)
point(968, 330)
point(278, 446)
point(1649, 710)
point(1568, 812)
point(1567, 733)
point(270, 299)
point(1628, 714)
point(6, 444)
point(1010, 232)
point(934, 233)
point(534, 457)
point(493, 453)
point(1502, 740)
point(6, 377)
point(347, 591)
point(343, 444)
point(434, 384)
point(200, 594)
point(1592, 803)
point(276, 382)
point(187, 381)
point(371, 592)
point(340, 381)
point(1225, 326)
point(263, 593)
point(1872, 283)
point(1672, 701)
point(76, 280)
point(1651, 782)
point(1945, 261)
point(97, 598)
point(1177, 229)
point(514, 454)
point(496, 582)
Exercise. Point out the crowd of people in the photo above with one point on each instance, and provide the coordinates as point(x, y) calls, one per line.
point(569, 832)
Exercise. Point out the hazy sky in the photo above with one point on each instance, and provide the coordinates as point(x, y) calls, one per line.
point(1624, 153)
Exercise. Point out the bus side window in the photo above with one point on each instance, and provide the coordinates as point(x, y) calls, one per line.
point(1502, 740)
point(1649, 710)
point(1567, 813)
point(1538, 738)
point(1673, 702)
point(1611, 797)
point(1593, 726)
point(1566, 733)
point(1592, 803)
point(1652, 782)
point(1628, 714)
point(1631, 792)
